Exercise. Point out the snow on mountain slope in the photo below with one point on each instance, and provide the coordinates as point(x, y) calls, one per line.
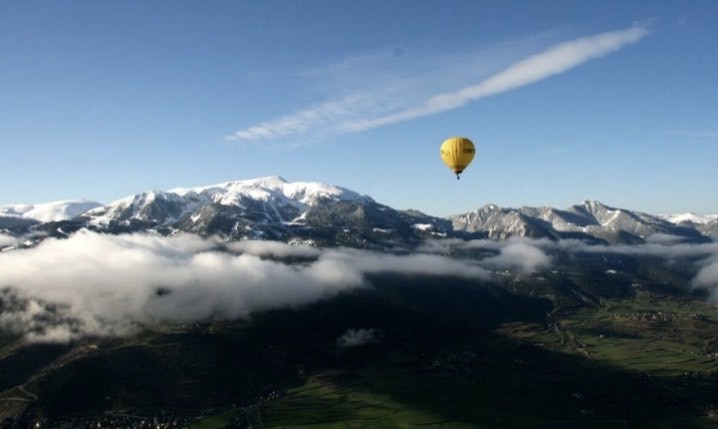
point(272, 208)
point(688, 217)
point(272, 198)
point(614, 219)
point(500, 223)
point(268, 188)
point(710, 228)
point(49, 212)
point(589, 219)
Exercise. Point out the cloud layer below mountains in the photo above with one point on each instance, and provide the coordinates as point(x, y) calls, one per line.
point(526, 255)
point(7, 240)
point(110, 285)
point(113, 285)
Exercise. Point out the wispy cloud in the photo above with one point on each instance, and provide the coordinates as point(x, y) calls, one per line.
point(550, 62)
point(376, 106)
point(308, 120)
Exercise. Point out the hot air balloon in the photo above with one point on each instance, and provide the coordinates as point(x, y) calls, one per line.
point(457, 153)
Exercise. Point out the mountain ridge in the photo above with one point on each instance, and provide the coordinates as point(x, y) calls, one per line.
point(273, 208)
point(50, 211)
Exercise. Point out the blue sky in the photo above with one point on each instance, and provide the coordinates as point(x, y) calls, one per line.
point(565, 101)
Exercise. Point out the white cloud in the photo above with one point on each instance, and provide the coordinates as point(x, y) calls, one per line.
point(661, 250)
point(422, 264)
point(93, 284)
point(519, 253)
point(275, 249)
point(397, 99)
point(522, 256)
point(309, 120)
point(661, 238)
point(7, 240)
point(104, 285)
point(110, 285)
point(707, 277)
point(358, 337)
point(550, 62)
point(529, 254)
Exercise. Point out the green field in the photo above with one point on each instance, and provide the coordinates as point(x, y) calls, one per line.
point(644, 362)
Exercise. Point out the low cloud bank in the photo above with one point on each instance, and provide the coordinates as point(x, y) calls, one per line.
point(707, 277)
point(661, 249)
point(523, 254)
point(275, 249)
point(527, 254)
point(7, 240)
point(112, 285)
point(101, 285)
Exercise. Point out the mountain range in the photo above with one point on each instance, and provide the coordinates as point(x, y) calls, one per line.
point(323, 214)
point(109, 330)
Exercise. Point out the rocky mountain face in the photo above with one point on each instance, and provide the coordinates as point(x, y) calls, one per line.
point(265, 208)
point(709, 229)
point(590, 220)
point(272, 208)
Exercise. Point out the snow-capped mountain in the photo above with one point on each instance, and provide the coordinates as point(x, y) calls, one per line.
point(25, 215)
point(706, 224)
point(268, 207)
point(709, 229)
point(268, 199)
point(589, 220)
point(684, 218)
point(272, 208)
point(499, 223)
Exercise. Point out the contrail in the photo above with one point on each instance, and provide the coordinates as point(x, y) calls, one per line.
point(555, 60)
point(364, 110)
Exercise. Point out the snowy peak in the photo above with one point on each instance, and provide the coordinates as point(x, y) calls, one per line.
point(600, 213)
point(589, 220)
point(500, 223)
point(266, 199)
point(273, 208)
point(263, 208)
point(48, 212)
point(688, 217)
point(143, 206)
point(638, 223)
point(486, 213)
point(271, 188)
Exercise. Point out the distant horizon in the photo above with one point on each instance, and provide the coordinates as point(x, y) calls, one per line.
point(583, 201)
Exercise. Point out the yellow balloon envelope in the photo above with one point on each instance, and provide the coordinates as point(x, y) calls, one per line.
point(457, 153)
